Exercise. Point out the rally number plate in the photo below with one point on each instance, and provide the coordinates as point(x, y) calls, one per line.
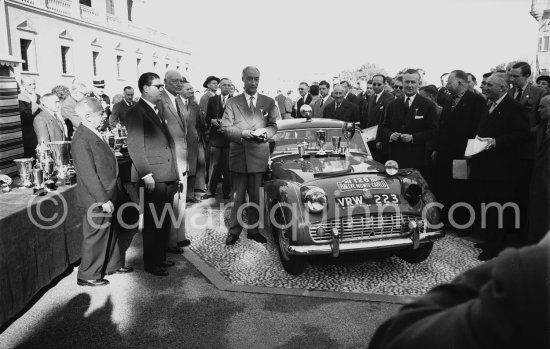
point(376, 199)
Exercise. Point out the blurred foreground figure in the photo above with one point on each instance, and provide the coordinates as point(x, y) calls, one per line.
point(499, 304)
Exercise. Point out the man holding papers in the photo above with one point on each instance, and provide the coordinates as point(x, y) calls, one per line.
point(495, 171)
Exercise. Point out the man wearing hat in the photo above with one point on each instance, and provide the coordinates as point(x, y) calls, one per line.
point(211, 86)
point(99, 93)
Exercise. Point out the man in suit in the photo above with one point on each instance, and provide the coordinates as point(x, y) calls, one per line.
point(325, 99)
point(249, 122)
point(409, 123)
point(29, 107)
point(121, 108)
point(152, 150)
point(99, 93)
point(97, 192)
point(443, 94)
point(503, 303)
point(171, 107)
point(350, 97)
point(72, 120)
point(285, 105)
point(341, 108)
point(529, 96)
point(397, 86)
point(48, 124)
point(305, 98)
point(219, 144)
point(539, 199)
point(458, 123)
point(192, 116)
point(493, 171)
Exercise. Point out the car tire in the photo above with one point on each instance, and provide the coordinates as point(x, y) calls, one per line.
point(416, 256)
point(294, 265)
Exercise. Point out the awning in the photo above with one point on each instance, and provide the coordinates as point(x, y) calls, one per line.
point(9, 60)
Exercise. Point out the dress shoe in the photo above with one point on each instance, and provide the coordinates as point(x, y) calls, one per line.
point(121, 270)
point(184, 243)
point(207, 196)
point(96, 282)
point(192, 200)
point(157, 271)
point(167, 264)
point(174, 250)
point(257, 237)
point(231, 239)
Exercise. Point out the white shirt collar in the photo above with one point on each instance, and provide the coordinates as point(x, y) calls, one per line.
point(94, 131)
point(497, 102)
point(154, 107)
point(128, 104)
point(255, 100)
point(410, 97)
point(172, 98)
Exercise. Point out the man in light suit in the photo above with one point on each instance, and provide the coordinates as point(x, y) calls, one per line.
point(539, 200)
point(171, 106)
point(409, 123)
point(98, 193)
point(305, 98)
point(341, 108)
point(319, 105)
point(249, 122)
point(48, 124)
point(152, 150)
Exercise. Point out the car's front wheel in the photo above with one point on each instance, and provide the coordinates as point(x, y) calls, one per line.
point(294, 265)
point(416, 256)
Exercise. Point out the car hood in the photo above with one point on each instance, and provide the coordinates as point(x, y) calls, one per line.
point(303, 171)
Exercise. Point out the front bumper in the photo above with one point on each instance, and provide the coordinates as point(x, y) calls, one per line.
point(352, 246)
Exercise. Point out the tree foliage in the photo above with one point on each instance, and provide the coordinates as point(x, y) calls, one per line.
point(365, 72)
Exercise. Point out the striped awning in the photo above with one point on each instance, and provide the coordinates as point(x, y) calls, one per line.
point(9, 60)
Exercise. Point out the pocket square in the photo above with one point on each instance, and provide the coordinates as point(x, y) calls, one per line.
point(382, 107)
point(418, 117)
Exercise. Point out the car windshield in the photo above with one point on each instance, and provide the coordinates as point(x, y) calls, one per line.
point(287, 141)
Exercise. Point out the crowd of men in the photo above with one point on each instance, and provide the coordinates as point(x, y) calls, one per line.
point(181, 148)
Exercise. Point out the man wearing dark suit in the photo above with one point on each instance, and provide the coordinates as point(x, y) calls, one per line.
point(48, 124)
point(409, 123)
point(458, 123)
point(121, 108)
point(249, 122)
point(219, 144)
point(152, 150)
point(372, 112)
point(97, 192)
point(170, 107)
point(493, 171)
point(350, 97)
point(325, 99)
point(192, 115)
point(340, 108)
point(29, 107)
point(539, 200)
point(305, 98)
point(99, 93)
point(72, 120)
point(503, 303)
point(529, 96)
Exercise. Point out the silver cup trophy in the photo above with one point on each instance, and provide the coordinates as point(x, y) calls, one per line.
point(61, 154)
point(24, 166)
point(348, 130)
point(335, 144)
point(321, 138)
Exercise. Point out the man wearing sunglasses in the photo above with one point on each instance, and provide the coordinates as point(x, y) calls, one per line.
point(305, 98)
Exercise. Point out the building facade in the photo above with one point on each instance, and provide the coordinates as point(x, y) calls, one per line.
point(540, 10)
point(62, 40)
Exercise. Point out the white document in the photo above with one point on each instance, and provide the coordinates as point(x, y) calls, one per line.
point(475, 146)
point(369, 134)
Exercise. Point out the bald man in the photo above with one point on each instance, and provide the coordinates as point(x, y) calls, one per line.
point(97, 192)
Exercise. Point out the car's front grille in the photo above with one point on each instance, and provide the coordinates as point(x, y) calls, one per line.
point(366, 227)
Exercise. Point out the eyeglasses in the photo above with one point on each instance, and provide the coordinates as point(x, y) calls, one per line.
point(398, 87)
point(376, 84)
point(301, 89)
point(159, 86)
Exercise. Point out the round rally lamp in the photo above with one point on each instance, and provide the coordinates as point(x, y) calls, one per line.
point(391, 167)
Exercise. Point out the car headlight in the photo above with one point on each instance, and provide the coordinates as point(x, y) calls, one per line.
point(391, 167)
point(315, 199)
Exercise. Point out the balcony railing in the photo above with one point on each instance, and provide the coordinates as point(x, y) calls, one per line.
point(88, 13)
point(30, 2)
point(59, 6)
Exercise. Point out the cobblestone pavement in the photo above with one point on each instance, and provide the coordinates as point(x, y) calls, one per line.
point(253, 264)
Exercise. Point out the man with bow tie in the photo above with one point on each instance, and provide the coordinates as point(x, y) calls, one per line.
point(152, 150)
point(249, 122)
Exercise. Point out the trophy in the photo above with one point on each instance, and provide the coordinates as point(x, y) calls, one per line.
point(348, 130)
point(335, 144)
point(61, 153)
point(306, 111)
point(24, 166)
point(321, 137)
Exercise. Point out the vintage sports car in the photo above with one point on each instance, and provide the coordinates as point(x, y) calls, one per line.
point(324, 194)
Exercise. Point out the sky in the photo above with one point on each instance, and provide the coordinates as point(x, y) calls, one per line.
point(315, 40)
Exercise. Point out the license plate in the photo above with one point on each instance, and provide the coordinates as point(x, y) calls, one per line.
point(376, 199)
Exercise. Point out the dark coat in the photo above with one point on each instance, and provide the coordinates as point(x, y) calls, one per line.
point(419, 121)
point(353, 98)
point(195, 134)
point(119, 114)
point(530, 99)
point(509, 126)
point(539, 199)
point(347, 112)
point(372, 112)
point(296, 108)
point(502, 304)
point(150, 145)
point(96, 167)
point(215, 110)
point(27, 117)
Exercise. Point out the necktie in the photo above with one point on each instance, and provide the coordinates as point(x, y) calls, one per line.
point(224, 100)
point(322, 101)
point(179, 110)
point(337, 105)
point(186, 105)
point(518, 96)
point(407, 105)
point(493, 106)
point(252, 104)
